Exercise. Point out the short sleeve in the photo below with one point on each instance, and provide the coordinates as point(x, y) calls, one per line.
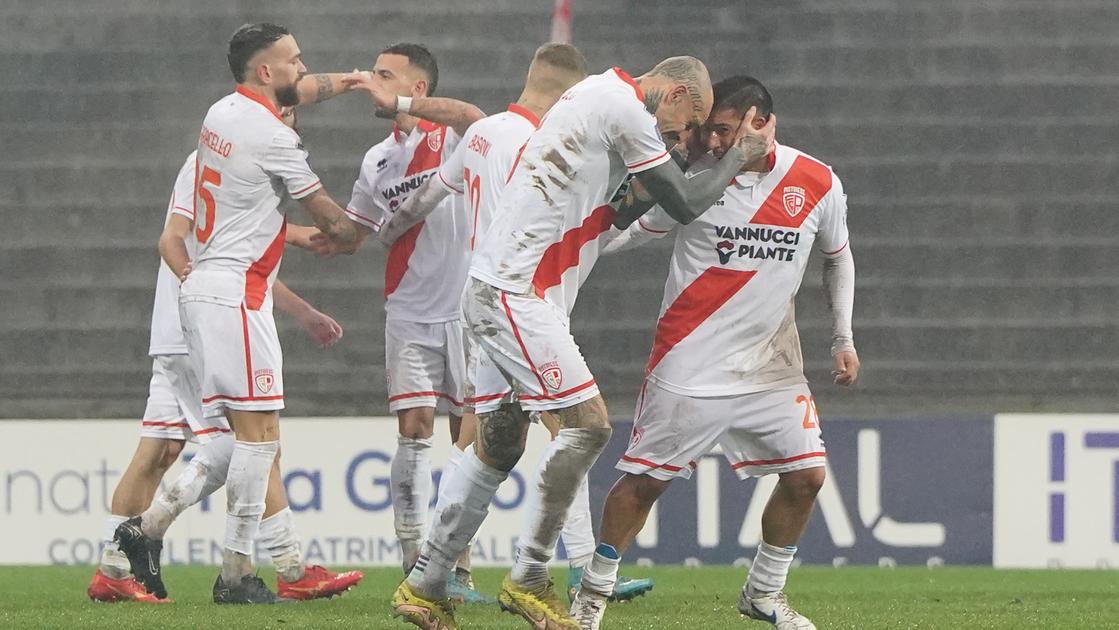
point(450, 172)
point(656, 222)
point(182, 195)
point(832, 235)
point(634, 135)
point(363, 206)
point(287, 159)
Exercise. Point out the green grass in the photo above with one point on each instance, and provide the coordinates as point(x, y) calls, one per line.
point(694, 598)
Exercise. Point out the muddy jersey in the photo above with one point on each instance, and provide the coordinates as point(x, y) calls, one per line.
point(426, 267)
point(545, 235)
point(727, 323)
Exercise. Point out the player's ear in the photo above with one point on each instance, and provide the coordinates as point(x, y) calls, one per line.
point(263, 73)
point(419, 88)
point(677, 94)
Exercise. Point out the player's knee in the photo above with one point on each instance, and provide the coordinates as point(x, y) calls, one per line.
point(171, 451)
point(804, 484)
point(417, 423)
point(643, 490)
point(589, 414)
point(501, 437)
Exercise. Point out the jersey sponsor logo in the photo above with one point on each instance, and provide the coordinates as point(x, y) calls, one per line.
point(793, 198)
point(552, 375)
point(724, 249)
point(760, 248)
point(435, 139)
point(264, 380)
point(404, 187)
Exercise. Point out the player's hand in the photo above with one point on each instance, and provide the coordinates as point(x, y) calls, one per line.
point(301, 235)
point(323, 246)
point(756, 143)
point(186, 272)
point(384, 102)
point(846, 372)
point(322, 328)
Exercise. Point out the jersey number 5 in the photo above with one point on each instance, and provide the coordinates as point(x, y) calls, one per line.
point(202, 230)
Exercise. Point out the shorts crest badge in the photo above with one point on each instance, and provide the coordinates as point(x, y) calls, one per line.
point(552, 375)
point(793, 198)
point(264, 380)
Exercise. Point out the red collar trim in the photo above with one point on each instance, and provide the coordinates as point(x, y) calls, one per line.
point(525, 113)
point(259, 98)
point(771, 159)
point(624, 76)
point(426, 125)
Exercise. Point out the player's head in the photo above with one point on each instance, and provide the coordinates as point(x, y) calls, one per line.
point(407, 70)
point(555, 68)
point(733, 98)
point(678, 92)
point(266, 55)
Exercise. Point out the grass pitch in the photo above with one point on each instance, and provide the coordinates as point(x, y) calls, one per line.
point(850, 597)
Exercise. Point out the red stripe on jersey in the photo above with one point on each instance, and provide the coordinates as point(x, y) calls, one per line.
point(260, 98)
point(516, 161)
point(433, 394)
point(181, 424)
point(525, 113)
point(521, 343)
point(212, 430)
point(802, 187)
point(786, 460)
point(397, 264)
point(645, 462)
point(693, 306)
point(561, 256)
point(210, 399)
point(624, 76)
point(558, 395)
point(429, 151)
point(256, 278)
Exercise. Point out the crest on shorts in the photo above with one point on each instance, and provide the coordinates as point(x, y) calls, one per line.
point(794, 200)
point(264, 380)
point(552, 375)
point(435, 139)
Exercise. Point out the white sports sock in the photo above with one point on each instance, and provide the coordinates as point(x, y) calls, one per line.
point(410, 478)
point(578, 529)
point(204, 473)
point(770, 568)
point(246, 487)
point(278, 536)
point(114, 563)
point(463, 504)
point(556, 482)
point(601, 575)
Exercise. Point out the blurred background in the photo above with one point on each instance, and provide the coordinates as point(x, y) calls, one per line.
point(976, 141)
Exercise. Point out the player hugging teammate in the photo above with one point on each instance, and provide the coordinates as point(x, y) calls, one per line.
point(493, 225)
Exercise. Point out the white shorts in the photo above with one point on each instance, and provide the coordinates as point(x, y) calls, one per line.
point(762, 433)
point(486, 387)
point(425, 365)
point(174, 409)
point(236, 356)
point(530, 342)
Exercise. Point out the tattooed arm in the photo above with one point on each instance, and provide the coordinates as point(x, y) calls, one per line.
point(316, 88)
point(330, 218)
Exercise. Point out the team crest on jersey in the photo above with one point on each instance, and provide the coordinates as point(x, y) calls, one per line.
point(552, 375)
point(264, 380)
point(435, 139)
point(794, 200)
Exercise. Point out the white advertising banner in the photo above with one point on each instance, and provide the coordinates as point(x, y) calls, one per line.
point(1056, 488)
point(57, 480)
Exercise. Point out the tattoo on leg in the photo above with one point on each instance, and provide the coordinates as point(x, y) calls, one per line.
point(500, 435)
point(589, 414)
point(326, 88)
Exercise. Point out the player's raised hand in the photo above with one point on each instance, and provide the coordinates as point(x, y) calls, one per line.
point(384, 102)
point(322, 328)
point(846, 364)
point(756, 137)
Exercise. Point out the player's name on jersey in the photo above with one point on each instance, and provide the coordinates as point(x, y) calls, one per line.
point(215, 142)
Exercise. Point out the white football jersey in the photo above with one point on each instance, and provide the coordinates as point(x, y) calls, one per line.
point(481, 166)
point(426, 267)
point(727, 324)
point(248, 161)
point(545, 235)
point(167, 330)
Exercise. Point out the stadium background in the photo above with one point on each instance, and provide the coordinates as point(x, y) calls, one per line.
point(976, 143)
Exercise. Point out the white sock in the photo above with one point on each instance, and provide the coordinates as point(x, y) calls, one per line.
point(601, 575)
point(246, 487)
point(204, 473)
point(578, 530)
point(410, 477)
point(770, 568)
point(555, 485)
point(463, 505)
point(278, 536)
point(114, 563)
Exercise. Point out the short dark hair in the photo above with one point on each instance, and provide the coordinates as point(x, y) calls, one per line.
point(247, 41)
point(562, 56)
point(740, 93)
point(419, 56)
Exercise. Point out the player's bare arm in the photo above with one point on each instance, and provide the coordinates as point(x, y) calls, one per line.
point(316, 88)
point(445, 111)
point(320, 326)
point(324, 247)
point(839, 286)
point(172, 245)
point(685, 198)
point(414, 210)
point(330, 219)
point(300, 235)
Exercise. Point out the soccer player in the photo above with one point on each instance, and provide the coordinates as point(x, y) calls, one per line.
point(480, 168)
point(248, 161)
point(173, 412)
point(726, 366)
point(525, 276)
point(424, 274)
